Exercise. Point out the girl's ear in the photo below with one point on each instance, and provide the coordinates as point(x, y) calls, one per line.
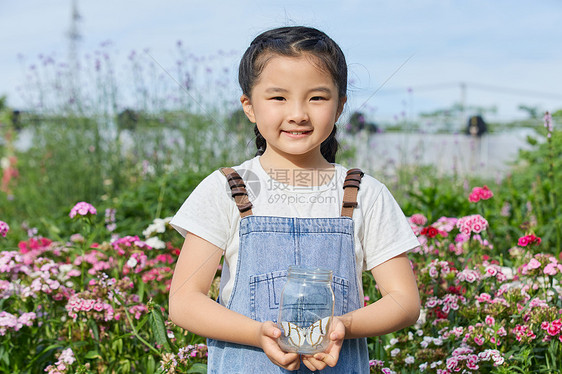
point(341, 104)
point(248, 108)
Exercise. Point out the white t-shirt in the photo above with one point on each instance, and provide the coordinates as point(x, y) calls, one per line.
point(381, 229)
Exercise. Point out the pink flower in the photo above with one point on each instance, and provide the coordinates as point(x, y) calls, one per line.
point(4, 228)
point(533, 264)
point(83, 209)
point(548, 122)
point(452, 363)
point(480, 193)
point(474, 223)
point(418, 219)
point(489, 320)
point(551, 269)
point(27, 318)
point(553, 330)
point(433, 273)
point(484, 297)
point(98, 307)
point(491, 271)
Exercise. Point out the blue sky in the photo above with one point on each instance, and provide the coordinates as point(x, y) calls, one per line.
point(506, 52)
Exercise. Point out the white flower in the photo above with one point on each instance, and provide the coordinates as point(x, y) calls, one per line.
point(67, 356)
point(409, 360)
point(132, 262)
point(393, 341)
point(157, 226)
point(155, 243)
point(4, 162)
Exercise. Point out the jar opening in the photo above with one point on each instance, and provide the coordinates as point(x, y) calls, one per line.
point(312, 274)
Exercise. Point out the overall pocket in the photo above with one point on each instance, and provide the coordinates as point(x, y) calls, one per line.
point(340, 286)
point(265, 295)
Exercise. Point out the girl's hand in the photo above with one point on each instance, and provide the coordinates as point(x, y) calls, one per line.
point(331, 355)
point(267, 338)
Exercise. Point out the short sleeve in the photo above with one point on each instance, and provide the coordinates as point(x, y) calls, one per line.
point(387, 232)
point(207, 211)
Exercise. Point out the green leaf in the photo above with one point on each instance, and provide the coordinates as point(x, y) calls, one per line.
point(150, 365)
point(141, 291)
point(198, 368)
point(142, 322)
point(159, 328)
point(117, 345)
point(94, 327)
point(5, 356)
point(92, 355)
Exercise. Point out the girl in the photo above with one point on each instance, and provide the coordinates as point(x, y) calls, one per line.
point(291, 205)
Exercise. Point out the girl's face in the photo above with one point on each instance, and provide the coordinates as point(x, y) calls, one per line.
point(295, 106)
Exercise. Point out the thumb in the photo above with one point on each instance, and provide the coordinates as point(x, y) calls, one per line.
point(338, 333)
point(271, 330)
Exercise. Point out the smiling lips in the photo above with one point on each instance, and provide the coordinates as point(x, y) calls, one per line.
point(297, 133)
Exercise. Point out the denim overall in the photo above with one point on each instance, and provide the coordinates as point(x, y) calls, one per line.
point(268, 245)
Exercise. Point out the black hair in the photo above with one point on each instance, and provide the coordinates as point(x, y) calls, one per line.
point(293, 41)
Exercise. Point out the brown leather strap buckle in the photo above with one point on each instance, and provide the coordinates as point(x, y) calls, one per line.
point(350, 204)
point(351, 183)
point(238, 191)
point(244, 207)
point(355, 171)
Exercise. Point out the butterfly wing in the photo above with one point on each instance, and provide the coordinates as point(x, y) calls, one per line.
point(295, 335)
point(317, 331)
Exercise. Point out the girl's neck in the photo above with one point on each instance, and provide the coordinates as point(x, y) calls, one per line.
point(273, 163)
point(273, 160)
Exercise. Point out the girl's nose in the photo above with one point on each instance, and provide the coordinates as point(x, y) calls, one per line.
point(298, 113)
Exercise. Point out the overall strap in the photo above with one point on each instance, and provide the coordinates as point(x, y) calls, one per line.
point(350, 189)
point(238, 190)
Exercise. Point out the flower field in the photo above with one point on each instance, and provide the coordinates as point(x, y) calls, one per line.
point(94, 306)
point(87, 254)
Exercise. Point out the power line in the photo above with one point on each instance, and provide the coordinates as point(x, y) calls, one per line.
point(472, 85)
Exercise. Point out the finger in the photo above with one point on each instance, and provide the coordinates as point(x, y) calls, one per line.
point(286, 364)
point(291, 361)
point(313, 364)
point(281, 358)
point(287, 360)
point(327, 359)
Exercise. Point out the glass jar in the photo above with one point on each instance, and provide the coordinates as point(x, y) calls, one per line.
point(306, 310)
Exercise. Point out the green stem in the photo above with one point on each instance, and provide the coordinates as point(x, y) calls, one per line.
point(135, 332)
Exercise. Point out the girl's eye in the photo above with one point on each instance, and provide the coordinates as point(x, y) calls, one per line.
point(278, 98)
point(317, 98)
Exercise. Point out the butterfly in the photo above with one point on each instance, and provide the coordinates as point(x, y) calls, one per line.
point(313, 335)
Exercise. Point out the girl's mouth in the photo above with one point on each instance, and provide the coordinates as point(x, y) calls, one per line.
point(297, 133)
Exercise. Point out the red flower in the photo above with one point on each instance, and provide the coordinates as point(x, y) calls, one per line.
point(32, 244)
point(430, 232)
point(528, 239)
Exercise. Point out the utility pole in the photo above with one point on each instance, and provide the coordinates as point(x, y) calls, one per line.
point(74, 38)
point(463, 104)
